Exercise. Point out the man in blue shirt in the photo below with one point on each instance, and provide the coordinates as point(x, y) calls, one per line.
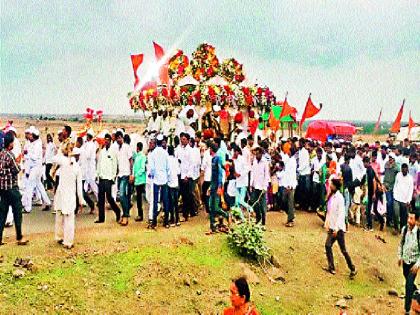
point(215, 189)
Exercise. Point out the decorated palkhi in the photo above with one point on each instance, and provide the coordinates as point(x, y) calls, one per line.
point(202, 81)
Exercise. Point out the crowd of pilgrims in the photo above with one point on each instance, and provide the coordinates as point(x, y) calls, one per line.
point(230, 177)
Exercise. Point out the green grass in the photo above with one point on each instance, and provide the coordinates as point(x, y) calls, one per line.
point(104, 271)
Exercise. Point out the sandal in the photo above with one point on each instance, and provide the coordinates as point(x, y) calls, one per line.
point(68, 246)
point(22, 242)
point(289, 224)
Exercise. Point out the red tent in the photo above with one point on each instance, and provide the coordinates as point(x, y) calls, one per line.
point(322, 129)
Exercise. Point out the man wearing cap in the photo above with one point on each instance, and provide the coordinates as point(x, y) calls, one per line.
point(9, 190)
point(390, 173)
point(34, 174)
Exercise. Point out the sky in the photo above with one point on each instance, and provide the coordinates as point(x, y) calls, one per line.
point(355, 57)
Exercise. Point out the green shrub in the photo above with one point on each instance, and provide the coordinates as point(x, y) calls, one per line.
point(247, 239)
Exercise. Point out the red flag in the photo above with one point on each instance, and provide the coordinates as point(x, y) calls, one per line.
point(136, 60)
point(310, 110)
point(287, 109)
point(163, 71)
point(411, 124)
point(378, 121)
point(397, 123)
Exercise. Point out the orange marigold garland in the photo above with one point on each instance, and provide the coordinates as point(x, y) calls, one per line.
point(179, 66)
point(232, 71)
point(204, 64)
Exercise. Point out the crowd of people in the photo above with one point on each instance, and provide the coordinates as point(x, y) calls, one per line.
point(234, 176)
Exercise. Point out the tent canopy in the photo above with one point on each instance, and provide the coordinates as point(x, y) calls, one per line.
point(322, 129)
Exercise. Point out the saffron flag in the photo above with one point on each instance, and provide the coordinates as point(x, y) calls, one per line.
point(378, 121)
point(287, 109)
point(273, 122)
point(136, 60)
point(310, 111)
point(411, 124)
point(397, 123)
point(163, 70)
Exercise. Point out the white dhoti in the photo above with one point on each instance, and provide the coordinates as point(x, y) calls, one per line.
point(33, 184)
point(149, 198)
point(64, 228)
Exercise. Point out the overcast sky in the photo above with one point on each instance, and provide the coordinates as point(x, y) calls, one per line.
point(354, 56)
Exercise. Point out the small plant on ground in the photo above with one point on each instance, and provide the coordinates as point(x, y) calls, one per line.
point(247, 239)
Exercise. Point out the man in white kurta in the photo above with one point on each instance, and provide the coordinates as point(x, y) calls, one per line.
point(34, 174)
point(89, 154)
point(65, 199)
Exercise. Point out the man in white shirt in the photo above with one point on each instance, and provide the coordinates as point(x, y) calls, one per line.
point(34, 174)
point(184, 155)
point(357, 167)
point(304, 170)
point(125, 166)
point(241, 174)
point(335, 224)
point(403, 193)
point(154, 122)
point(290, 183)
point(260, 177)
point(206, 170)
point(196, 161)
point(316, 164)
point(159, 173)
point(89, 152)
point(106, 171)
point(173, 187)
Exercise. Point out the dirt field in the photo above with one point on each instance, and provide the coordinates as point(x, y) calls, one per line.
point(133, 270)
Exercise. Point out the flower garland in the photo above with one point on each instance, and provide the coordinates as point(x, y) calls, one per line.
point(232, 71)
point(204, 64)
point(179, 66)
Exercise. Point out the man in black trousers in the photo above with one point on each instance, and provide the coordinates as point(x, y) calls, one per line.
point(9, 190)
point(107, 172)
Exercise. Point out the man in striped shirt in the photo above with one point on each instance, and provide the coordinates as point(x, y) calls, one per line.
point(9, 190)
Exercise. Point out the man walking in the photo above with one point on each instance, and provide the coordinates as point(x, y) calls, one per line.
point(125, 167)
point(107, 172)
point(260, 176)
point(9, 190)
point(409, 257)
point(403, 192)
point(159, 172)
point(215, 189)
point(390, 173)
point(336, 226)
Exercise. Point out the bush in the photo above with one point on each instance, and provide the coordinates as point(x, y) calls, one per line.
point(247, 239)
